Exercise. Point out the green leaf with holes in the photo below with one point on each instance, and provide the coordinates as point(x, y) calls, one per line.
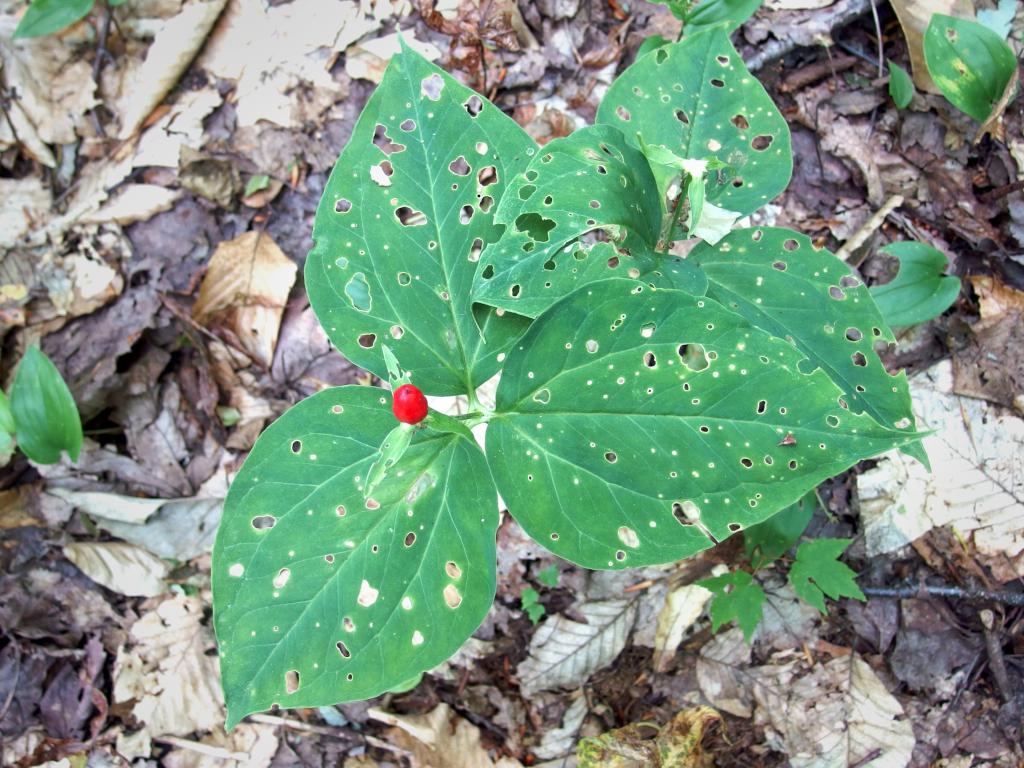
point(401, 225)
point(737, 597)
point(697, 99)
point(969, 62)
point(921, 289)
point(672, 421)
point(322, 595)
point(781, 283)
point(817, 572)
point(592, 181)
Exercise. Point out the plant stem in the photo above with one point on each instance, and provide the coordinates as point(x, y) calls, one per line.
point(668, 227)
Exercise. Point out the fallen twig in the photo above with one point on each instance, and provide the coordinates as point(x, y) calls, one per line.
point(996, 660)
point(940, 590)
point(868, 228)
point(835, 16)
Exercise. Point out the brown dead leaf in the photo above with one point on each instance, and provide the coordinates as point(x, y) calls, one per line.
point(26, 202)
point(164, 672)
point(134, 202)
point(989, 363)
point(246, 287)
point(440, 739)
point(119, 566)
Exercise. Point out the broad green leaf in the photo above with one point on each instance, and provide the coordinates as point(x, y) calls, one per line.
point(774, 537)
point(530, 598)
point(44, 411)
point(817, 572)
point(321, 595)
point(901, 87)
point(969, 62)
point(403, 219)
point(589, 181)
point(697, 99)
point(737, 598)
point(612, 448)
point(44, 17)
point(921, 290)
point(781, 283)
point(730, 13)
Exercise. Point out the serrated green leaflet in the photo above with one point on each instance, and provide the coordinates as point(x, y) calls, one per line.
point(921, 290)
point(45, 415)
point(969, 62)
point(322, 595)
point(592, 180)
point(737, 598)
point(402, 223)
point(697, 99)
point(780, 282)
point(44, 17)
point(613, 448)
point(817, 572)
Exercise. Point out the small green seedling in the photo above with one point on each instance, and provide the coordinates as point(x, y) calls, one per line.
point(901, 87)
point(649, 406)
point(921, 289)
point(44, 17)
point(40, 416)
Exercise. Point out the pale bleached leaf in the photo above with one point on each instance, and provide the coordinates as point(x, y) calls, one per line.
point(173, 49)
point(124, 568)
point(721, 673)
point(683, 606)
point(837, 715)
point(560, 741)
point(976, 485)
point(134, 202)
point(564, 653)
point(25, 203)
point(165, 674)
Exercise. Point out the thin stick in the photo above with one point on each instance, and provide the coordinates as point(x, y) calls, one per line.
point(941, 590)
point(858, 238)
point(203, 749)
point(996, 660)
point(837, 15)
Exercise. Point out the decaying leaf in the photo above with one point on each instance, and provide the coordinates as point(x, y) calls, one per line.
point(247, 284)
point(26, 204)
point(173, 49)
point(560, 741)
point(249, 745)
point(440, 739)
point(564, 653)
point(676, 745)
point(683, 606)
point(121, 567)
point(368, 60)
point(134, 202)
point(836, 715)
point(975, 487)
point(165, 672)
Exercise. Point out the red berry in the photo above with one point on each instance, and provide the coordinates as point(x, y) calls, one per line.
point(409, 405)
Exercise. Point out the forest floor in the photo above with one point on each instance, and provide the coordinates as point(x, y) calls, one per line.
point(160, 167)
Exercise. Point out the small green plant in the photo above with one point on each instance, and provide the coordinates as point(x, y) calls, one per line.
point(921, 290)
point(648, 407)
point(703, 14)
point(44, 17)
point(39, 416)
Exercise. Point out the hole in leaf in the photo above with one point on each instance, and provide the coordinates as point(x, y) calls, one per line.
point(372, 504)
point(735, 527)
point(859, 359)
point(761, 142)
point(488, 272)
point(452, 596)
point(591, 346)
point(296, 446)
point(535, 226)
point(740, 121)
point(542, 396)
point(836, 293)
point(762, 406)
point(779, 265)
point(453, 570)
point(410, 539)
point(291, 681)
point(853, 334)
point(488, 175)
point(264, 522)
point(431, 86)
point(485, 203)
point(628, 537)
point(526, 191)
point(282, 577)
point(475, 249)
point(650, 360)
point(611, 457)
point(473, 105)
point(329, 558)
point(849, 281)
point(367, 594)
point(367, 340)
point(342, 205)
point(681, 117)
point(347, 624)
point(459, 166)
point(737, 182)
point(343, 650)
point(340, 510)
point(623, 113)
point(746, 462)
point(791, 245)
point(408, 125)
point(602, 170)
point(660, 55)
point(722, 59)
point(620, 555)
point(758, 234)
point(717, 82)
point(383, 142)
point(409, 217)
point(404, 278)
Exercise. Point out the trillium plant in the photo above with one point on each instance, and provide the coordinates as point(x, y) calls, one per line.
point(649, 405)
